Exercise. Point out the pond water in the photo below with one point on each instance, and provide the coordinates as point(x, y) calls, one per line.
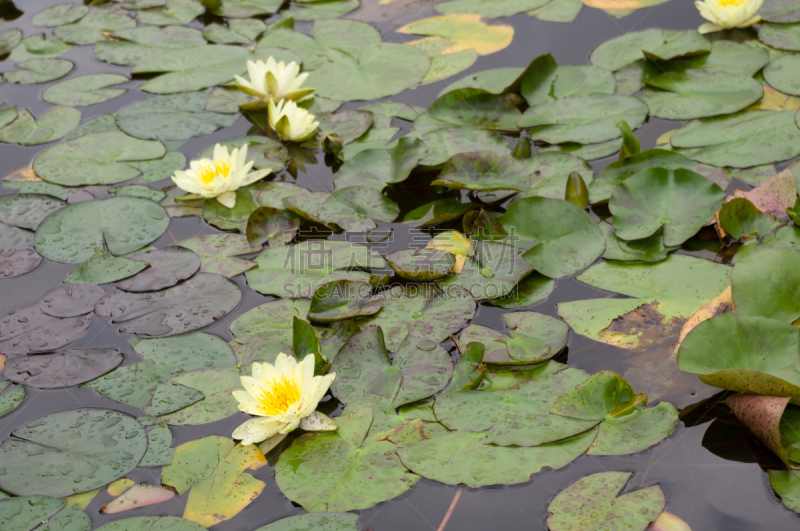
point(711, 469)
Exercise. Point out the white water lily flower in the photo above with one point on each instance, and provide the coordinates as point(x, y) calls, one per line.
point(728, 14)
point(291, 122)
point(281, 396)
point(218, 178)
point(273, 81)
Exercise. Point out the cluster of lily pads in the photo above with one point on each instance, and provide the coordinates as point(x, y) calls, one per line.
point(500, 225)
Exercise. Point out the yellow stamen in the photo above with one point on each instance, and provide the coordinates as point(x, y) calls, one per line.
point(208, 172)
point(283, 394)
point(727, 3)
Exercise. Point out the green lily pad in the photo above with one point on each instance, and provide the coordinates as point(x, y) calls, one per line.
point(532, 289)
point(635, 432)
point(248, 199)
point(193, 304)
point(191, 69)
point(272, 226)
point(160, 523)
point(493, 272)
point(649, 249)
point(425, 366)
point(101, 124)
point(27, 513)
point(154, 170)
point(72, 234)
point(421, 264)
point(218, 253)
point(477, 108)
point(415, 311)
point(295, 271)
point(217, 386)
point(174, 12)
point(27, 211)
point(347, 126)
point(321, 9)
point(741, 219)
point(97, 158)
point(264, 331)
point(780, 11)
point(135, 190)
point(514, 417)
point(594, 503)
point(782, 74)
point(545, 81)
point(315, 522)
point(676, 202)
point(565, 238)
point(765, 283)
point(173, 117)
point(653, 43)
point(742, 140)
point(350, 209)
point(699, 94)
point(136, 44)
point(9, 39)
point(309, 472)
point(533, 337)
point(84, 90)
point(376, 168)
point(102, 268)
point(596, 151)
point(490, 8)
point(548, 173)
point(52, 125)
point(38, 47)
point(444, 143)
point(89, 29)
point(35, 71)
point(733, 360)
point(786, 483)
point(226, 100)
point(781, 36)
point(166, 268)
point(246, 8)
point(466, 458)
point(665, 294)
point(483, 170)
point(365, 78)
point(584, 119)
point(494, 80)
point(96, 445)
point(11, 397)
point(342, 299)
point(59, 15)
point(561, 11)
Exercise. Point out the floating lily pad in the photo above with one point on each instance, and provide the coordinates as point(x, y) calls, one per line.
point(173, 12)
point(782, 74)
point(676, 202)
point(272, 226)
point(584, 119)
point(342, 299)
point(565, 238)
point(321, 9)
point(786, 484)
point(191, 69)
point(781, 36)
point(38, 47)
point(167, 267)
point(9, 39)
point(264, 331)
point(226, 100)
point(102, 268)
point(352, 208)
point(740, 219)
point(173, 117)
point(136, 190)
point(466, 458)
point(35, 71)
point(425, 366)
point(61, 369)
point(246, 8)
point(11, 397)
point(483, 170)
point(309, 471)
point(464, 31)
point(18, 262)
point(533, 337)
point(594, 503)
point(26, 513)
point(89, 29)
point(218, 253)
point(780, 11)
point(136, 44)
point(193, 304)
point(444, 143)
point(59, 15)
point(742, 140)
point(161, 523)
point(52, 125)
point(544, 81)
point(95, 159)
point(27, 211)
point(248, 199)
point(421, 264)
point(764, 283)
point(28, 330)
point(79, 301)
point(414, 311)
point(96, 446)
point(477, 108)
point(532, 289)
point(491, 9)
point(85, 90)
point(665, 294)
point(635, 432)
point(72, 234)
point(493, 272)
point(295, 271)
point(653, 43)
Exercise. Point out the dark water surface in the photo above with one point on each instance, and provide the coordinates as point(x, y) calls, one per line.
point(708, 468)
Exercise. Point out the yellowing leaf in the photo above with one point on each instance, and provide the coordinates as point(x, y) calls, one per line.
point(83, 499)
point(775, 100)
point(722, 303)
point(465, 31)
point(22, 175)
point(119, 486)
point(621, 8)
point(229, 490)
point(454, 243)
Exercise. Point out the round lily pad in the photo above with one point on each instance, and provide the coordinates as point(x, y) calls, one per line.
point(72, 234)
point(95, 447)
point(52, 125)
point(59, 15)
point(35, 71)
point(154, 523)
point(167, 267)
point(27, 211)
point(62, 369)
point(784, 74)
point(84, 90)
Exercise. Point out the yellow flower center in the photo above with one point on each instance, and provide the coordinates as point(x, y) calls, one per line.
point(207, 171)
point(283, 394)
point(728, 3)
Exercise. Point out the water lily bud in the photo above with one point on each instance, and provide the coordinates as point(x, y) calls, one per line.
point(331, 143)
point(576, 191)
point(523, 148)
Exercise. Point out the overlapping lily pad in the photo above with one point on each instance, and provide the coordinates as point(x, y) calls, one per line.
point(28, 330)
point(52, 125)
point(35, 71)
point(533, 337)
point(136, 44)
point(61, 369)
point(166, 268)
point(191, 69)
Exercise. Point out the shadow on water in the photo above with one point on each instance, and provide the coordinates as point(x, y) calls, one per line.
point(710, 468)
